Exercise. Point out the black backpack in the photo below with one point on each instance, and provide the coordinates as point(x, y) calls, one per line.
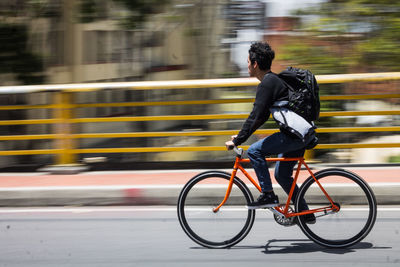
point(303, 92)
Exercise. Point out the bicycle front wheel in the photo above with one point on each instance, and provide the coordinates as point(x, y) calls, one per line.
point(221, 229)
point(356, 214)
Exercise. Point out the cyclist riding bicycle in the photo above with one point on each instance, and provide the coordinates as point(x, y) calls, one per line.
point(270, 91)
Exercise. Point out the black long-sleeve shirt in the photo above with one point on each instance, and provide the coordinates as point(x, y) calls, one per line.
point(270, 90)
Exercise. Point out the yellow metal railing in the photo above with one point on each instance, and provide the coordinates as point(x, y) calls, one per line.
point(63, 108)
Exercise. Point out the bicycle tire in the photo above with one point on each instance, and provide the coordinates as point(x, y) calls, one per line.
point(205, 231)
point(357, 206)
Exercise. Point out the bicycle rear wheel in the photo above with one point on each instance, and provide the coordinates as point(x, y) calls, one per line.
point(357, 213)
point(220, 229)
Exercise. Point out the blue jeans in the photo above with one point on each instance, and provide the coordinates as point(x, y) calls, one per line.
point(282, 145)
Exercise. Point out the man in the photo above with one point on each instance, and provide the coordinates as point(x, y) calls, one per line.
point(270, 90)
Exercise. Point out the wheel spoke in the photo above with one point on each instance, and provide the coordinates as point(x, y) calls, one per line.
point(206, 226)
point(339, 225)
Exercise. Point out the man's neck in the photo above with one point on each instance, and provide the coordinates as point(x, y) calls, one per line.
point(260, 75)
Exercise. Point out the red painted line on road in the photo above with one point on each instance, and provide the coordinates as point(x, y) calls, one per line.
point(132, 193)
point(380, 175)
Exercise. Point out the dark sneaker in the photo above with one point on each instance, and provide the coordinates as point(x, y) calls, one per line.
point(265, 200)
point(310, 218)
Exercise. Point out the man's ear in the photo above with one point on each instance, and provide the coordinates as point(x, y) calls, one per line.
point(255, 64)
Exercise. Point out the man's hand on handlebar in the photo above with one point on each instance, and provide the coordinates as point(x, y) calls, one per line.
point(229, 144)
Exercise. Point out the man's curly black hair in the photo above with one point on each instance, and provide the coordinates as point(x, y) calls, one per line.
point(262, 53)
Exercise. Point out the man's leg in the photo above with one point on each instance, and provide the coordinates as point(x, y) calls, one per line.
point(257, 159)
point(273, 144)
point(284, 172)
point(257, 153)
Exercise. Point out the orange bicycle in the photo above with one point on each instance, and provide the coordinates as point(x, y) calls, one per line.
point(212, 206)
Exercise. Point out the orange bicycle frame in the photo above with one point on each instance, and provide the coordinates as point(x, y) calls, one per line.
point(237, 166)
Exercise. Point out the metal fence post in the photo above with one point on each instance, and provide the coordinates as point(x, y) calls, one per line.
point(64, 113)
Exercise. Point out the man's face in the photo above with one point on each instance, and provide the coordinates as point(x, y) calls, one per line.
point(250, 67)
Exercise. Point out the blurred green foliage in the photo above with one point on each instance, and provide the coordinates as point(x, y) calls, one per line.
point(394, 159)
point(137, 11)
point(15, 56)
point(140, 10)
point(349, 36)
point(345, 36)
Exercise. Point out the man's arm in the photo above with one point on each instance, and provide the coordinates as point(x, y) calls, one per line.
point(259, 114)
point(253, 122)
point(269, 90)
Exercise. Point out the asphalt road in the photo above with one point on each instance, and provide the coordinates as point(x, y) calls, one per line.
point(151, 236)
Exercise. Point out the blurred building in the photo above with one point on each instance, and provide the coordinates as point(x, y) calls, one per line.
point(244, 15)
point(246, 22)
point(181, 41)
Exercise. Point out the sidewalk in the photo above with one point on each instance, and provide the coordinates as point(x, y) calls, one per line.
point(145, 187)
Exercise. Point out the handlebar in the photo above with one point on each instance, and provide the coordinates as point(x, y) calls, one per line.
point(239, 151)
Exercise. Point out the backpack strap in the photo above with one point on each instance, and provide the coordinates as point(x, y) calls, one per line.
point(282, 103)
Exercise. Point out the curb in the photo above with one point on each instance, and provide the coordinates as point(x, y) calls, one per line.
point(386, 194)
point(64, 169)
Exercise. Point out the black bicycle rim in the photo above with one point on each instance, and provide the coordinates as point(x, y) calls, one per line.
point(371, 207)
point(195, 237)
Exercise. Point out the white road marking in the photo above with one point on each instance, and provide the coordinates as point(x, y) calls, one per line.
point(137, 209)
point(89, 187)
point(159, 186)
point(84, 209)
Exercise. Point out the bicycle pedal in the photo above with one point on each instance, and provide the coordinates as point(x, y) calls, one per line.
point(281, 219)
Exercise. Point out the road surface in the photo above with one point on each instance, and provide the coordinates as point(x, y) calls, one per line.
point(151, 236)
